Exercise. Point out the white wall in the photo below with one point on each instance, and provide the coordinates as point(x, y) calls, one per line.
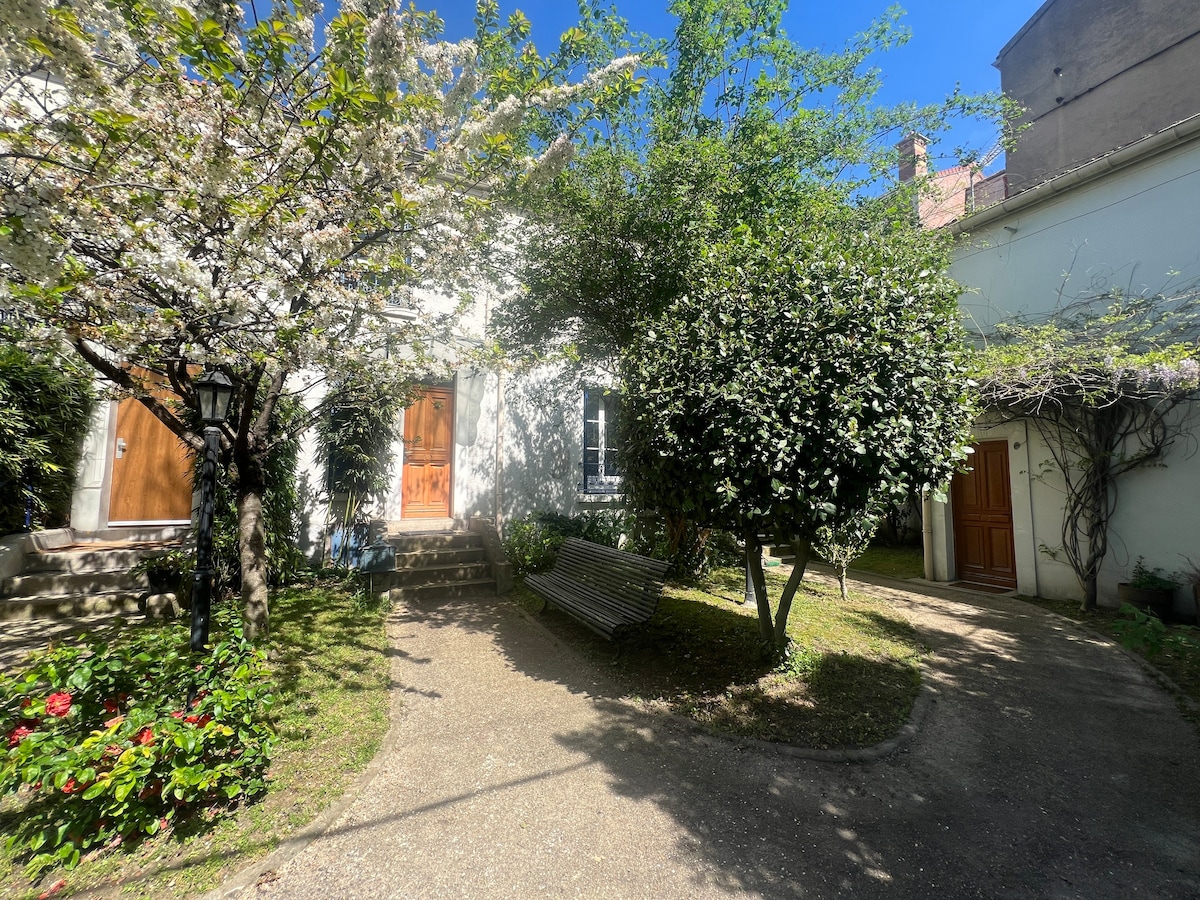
point(1137, 228)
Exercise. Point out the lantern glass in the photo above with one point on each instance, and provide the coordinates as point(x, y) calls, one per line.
point(215, 391)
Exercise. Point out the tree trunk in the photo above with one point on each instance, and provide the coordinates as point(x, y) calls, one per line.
point(758, 580)
point(252, 549)
point(801, 549)
point(841, 577)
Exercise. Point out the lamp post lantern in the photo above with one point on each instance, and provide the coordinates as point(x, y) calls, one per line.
point(215, 392)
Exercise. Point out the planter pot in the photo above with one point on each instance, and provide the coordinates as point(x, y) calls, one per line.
point(1158, 602)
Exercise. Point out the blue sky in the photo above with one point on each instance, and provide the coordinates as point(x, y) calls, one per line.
point(953, 41)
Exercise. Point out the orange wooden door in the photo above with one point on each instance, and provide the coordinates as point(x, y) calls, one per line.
point(428, 453)
point(152, 471)
point(983, 525)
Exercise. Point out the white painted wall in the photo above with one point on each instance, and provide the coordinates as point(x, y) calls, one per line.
point(1137, 228)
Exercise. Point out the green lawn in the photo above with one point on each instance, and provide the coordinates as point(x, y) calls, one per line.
point(894, 562)
point(327, 654)
point(850, 681)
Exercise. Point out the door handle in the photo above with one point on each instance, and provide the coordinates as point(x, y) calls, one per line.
point(121, 445)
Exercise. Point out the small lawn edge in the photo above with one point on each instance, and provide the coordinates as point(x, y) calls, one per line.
point(875, 752)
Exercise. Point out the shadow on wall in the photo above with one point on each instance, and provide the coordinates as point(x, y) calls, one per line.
point(543, 446)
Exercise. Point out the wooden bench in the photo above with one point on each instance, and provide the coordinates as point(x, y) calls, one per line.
point(602, 588)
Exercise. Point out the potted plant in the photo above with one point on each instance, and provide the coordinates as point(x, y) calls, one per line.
point(1190, 576)
point(1148, 589)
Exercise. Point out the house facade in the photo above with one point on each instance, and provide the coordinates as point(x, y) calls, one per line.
point(481, 443)
point(1096, 200)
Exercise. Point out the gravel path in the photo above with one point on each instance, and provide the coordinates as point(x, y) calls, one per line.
point(1047, 765)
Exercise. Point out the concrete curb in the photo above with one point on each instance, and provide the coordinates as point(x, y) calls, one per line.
point(292, 846)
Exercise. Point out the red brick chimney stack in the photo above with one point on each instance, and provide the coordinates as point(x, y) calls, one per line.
point(914, 162)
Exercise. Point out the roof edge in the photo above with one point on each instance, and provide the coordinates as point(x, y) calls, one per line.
point(1024, 29)
point(1173, 136)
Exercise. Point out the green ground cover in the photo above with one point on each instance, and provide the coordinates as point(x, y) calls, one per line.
point(326, 654)
point(850, 681)
point(894, 562)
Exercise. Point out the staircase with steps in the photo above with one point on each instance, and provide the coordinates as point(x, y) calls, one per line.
point(438, 566)
point(78, 579)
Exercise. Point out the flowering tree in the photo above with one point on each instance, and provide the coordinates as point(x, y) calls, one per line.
point(193, 185)
point(1109, 382)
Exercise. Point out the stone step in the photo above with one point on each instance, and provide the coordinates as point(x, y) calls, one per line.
point(61, 606)
point(419, 558)
point(436, 540)
point(422, 575)
point(452, 590)
point(81, 560)
point(61, 583)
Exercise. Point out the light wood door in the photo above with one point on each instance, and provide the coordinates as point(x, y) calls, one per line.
point(428, 454)
point(983, 524)
point(152, 471)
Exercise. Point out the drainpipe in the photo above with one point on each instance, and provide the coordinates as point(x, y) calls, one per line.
point(927, 533)
point(499, 467)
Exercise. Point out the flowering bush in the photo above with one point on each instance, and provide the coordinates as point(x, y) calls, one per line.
point(109, 740)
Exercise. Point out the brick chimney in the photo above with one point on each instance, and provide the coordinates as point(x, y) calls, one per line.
point(914, 162)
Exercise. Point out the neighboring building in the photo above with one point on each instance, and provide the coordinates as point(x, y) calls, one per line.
point(1094, 75)
point(1122, 210)
point(949, 194)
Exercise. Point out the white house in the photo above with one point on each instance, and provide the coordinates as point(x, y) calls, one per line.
point(1088, 215)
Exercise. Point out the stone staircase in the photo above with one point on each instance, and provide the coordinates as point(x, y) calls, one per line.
point(439, 566)
point(79, 577)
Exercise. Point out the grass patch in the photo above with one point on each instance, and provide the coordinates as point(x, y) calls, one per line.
point(850, 681)
point(1179, 658)
point(327, 654)
point(894, 562)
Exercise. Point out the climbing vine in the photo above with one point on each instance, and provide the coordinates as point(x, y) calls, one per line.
point(1110, 384)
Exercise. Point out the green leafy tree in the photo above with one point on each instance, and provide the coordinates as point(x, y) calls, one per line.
point(843, 537)
point(744, 125)
point(1109, 382)
point(806, 377)
point(355, 448)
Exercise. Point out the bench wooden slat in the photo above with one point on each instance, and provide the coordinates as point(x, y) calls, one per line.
point(590, 597)
point(603, 588)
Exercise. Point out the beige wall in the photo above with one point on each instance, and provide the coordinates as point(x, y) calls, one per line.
point(1098, 74)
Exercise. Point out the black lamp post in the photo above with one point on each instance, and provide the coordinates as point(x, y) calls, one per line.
point(215, 391)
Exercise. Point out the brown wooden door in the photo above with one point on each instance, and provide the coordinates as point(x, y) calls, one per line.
point(983, 525)
point(152, 470)
point(428, 451)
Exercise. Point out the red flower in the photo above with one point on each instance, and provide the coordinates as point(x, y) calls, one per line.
point(177, 714)
point(111, 705)
point(19, 734)
point(71, 786)
point(145, 736)
point(58, 704)
point(53, 889)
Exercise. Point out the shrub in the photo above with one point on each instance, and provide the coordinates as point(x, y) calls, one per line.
point(46, 401)
point(108, 741)
point(531, 543)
